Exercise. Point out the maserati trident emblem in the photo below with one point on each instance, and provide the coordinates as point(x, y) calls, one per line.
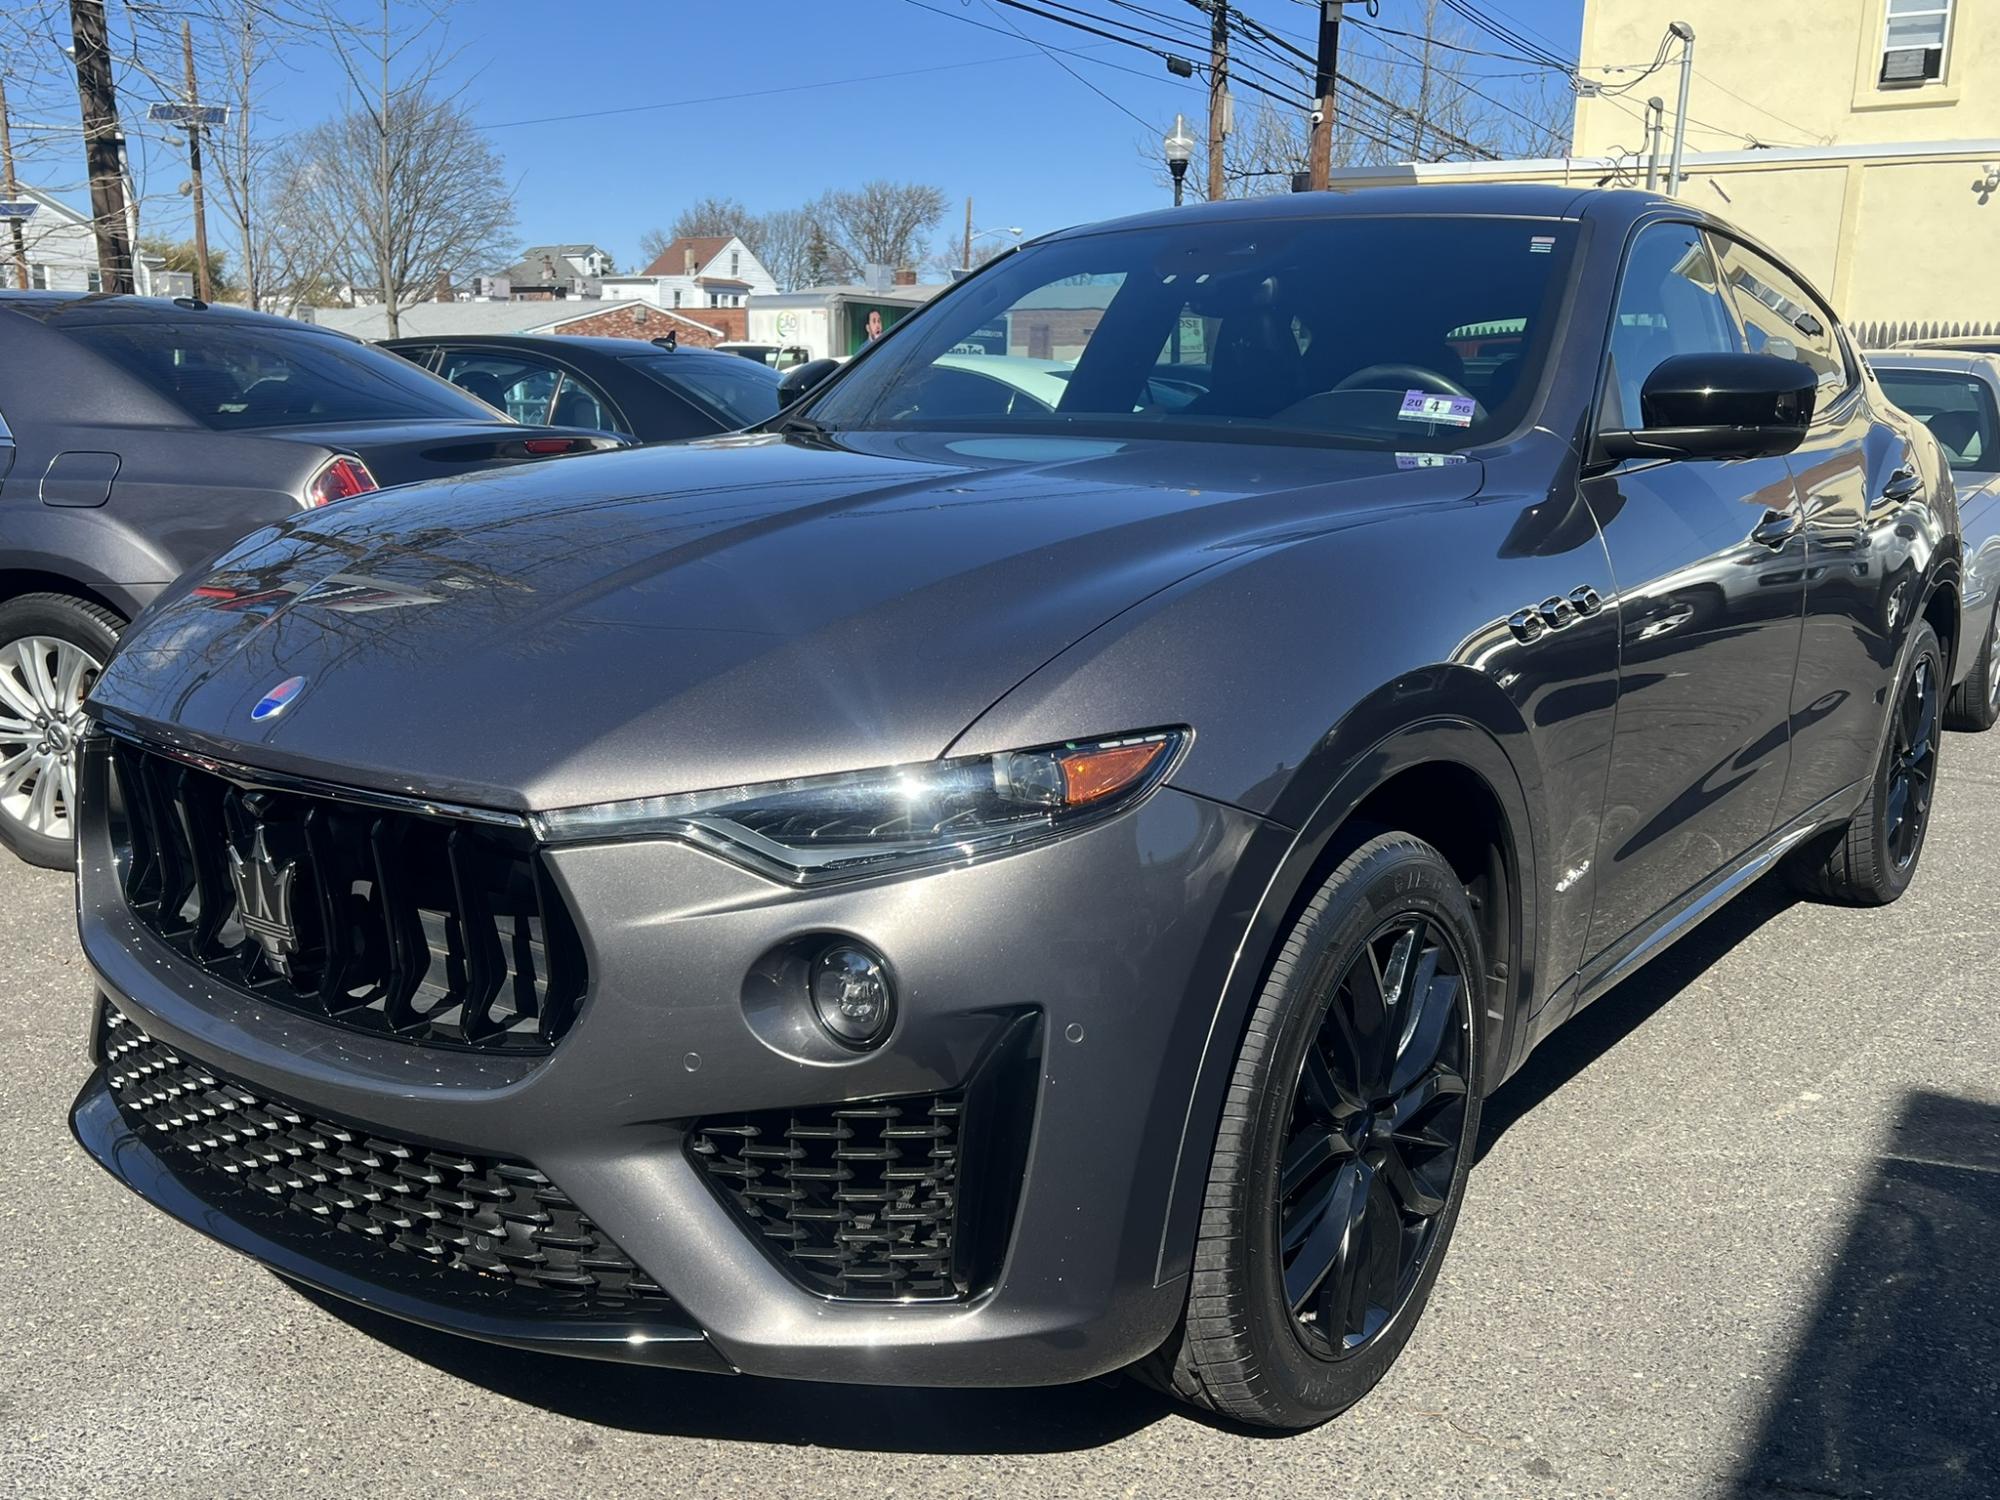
point(264, 901)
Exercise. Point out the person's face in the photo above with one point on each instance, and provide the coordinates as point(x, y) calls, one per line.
point(874, 325)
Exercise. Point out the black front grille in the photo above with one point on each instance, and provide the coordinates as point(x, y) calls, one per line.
point(432, 928)
point(856, 1200)
point(500, 1224)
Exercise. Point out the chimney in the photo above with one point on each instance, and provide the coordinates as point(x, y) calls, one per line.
point(549, 267)
point(906, 276)
point(443, 287)
point(689, 261)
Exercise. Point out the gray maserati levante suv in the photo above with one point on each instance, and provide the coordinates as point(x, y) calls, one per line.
point(1027, 865)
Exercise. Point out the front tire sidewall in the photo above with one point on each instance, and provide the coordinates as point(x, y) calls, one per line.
point(1381, 881)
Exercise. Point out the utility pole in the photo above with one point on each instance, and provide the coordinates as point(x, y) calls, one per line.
point(203, 287)
point(1218, 97)
point(966, 260)
point(1319, 154)
point(11, 191)
point(99, 101)
point(1656, 114)
point(1685, 32)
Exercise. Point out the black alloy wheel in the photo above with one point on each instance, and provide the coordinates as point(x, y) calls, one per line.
point(1377, 1126)
point(1343, 1149)
point(1913, 763)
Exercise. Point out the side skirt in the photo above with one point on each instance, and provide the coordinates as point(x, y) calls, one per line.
point(1689, 910)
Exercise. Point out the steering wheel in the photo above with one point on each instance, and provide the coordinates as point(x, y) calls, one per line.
point(1412, 376)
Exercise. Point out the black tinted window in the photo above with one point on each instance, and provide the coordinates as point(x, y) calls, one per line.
point(1669, 303)
point(1958, 409)
point(1411, 333)
point(736, 392)
point(238, 377)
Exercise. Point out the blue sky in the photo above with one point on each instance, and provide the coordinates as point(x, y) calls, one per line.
point(772, 101)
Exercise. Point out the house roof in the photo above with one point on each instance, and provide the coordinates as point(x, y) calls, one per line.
point(672, 261)
point(724, 281)
point(555, 325)
point(433, 319)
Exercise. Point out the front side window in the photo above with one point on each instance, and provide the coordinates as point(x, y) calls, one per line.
point(1669, 303)
point(1913, 42)
point(1958, 409)
point(246, 375)
point(1781, 317)
point(1413, 333)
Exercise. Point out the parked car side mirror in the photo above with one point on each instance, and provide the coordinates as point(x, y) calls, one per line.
point(802, 378)
point(1719, 406)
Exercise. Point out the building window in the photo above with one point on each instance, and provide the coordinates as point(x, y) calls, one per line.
point(1913, 42)
point(93, 280)
point(734, 267)
point(38, 276)
point(677, 297)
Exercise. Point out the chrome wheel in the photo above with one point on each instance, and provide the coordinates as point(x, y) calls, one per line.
point(1913, 763)
point(43, 681)
point(1379, 1120)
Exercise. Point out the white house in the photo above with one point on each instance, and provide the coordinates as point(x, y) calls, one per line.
point(62, 254)
point(697, 273)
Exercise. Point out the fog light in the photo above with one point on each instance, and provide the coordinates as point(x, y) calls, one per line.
point(850, 992)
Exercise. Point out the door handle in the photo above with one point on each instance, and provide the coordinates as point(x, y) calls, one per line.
point(1777, 528)
point(1905, 485)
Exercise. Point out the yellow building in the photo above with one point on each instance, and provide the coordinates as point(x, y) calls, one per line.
point(1860, 138)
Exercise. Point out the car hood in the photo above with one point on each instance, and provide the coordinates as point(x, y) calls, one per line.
point(708, 615)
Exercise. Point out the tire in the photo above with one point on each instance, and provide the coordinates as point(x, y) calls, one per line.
point(52, 647)
point(1975, 703)
point(1245, 1348)
point(1872, 860)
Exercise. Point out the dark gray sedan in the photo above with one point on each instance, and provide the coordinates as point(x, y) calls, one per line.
point(139, 436)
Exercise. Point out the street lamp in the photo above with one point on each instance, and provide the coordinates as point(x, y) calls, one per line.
point(1179, 148)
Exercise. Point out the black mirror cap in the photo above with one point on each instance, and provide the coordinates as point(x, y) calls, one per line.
point(1720, 406)
point(802, 378)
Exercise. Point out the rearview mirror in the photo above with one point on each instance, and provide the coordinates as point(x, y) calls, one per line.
point(1719, 406)
point(802, 378)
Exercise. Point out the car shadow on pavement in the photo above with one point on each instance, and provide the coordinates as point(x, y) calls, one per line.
point(1895, 1385)
point(746, 1408)
point(1619, 1012)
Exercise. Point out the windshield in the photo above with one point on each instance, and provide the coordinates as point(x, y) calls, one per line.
point(1958, 409)
point(1410, 333)
point(238, 377)
point(735, 391)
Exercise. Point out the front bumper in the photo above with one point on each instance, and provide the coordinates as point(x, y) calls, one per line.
point(1110, 946)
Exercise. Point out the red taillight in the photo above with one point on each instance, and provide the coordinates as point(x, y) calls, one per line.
point(340, 478)
point(542, 446)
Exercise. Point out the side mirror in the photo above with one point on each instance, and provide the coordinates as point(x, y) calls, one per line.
point(1719, 406)
point(802, 378)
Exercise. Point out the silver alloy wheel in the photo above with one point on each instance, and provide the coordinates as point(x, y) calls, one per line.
point(42, 686)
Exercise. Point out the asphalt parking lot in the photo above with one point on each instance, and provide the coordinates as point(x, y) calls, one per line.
point(1733, 1233)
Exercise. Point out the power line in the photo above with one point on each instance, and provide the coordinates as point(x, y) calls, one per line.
point(1502, 33)
point(1057, 60)
point(790, 88)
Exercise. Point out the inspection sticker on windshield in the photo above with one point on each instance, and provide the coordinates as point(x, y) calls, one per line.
point(1422, 406)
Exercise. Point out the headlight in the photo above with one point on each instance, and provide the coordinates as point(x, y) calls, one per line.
point(821, 828)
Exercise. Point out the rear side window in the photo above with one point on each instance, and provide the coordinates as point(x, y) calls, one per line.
point(1669, 303)
point(247, 377)
point(1781, 317)
point(1958, 409)
point(736, 392)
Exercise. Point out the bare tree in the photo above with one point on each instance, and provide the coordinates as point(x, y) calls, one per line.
point(714, 218)
point(785, 246)
point(881, 223)
point(411, 200)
